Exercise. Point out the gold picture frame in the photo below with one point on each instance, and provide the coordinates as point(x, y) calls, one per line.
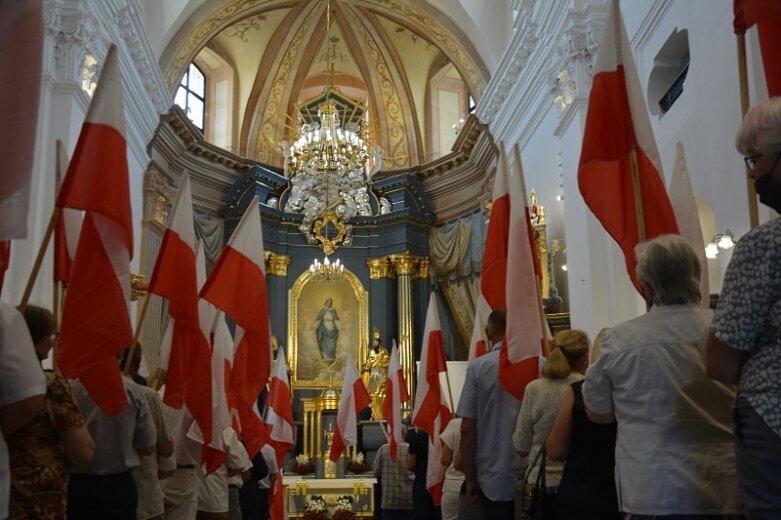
point(307, 300)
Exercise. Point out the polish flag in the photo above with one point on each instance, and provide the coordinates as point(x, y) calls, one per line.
point(21, 56)
point(478, 344)
point(237, 286)
point(175, 277)
point(213, 326)
point(766, 14)
point(279, 412)
point(354, 399)
point(67, 228)
point(395, 394)
point(688, 218)
point(96, 320)
point(617, 134)
point(432, 412)
point(527, 331)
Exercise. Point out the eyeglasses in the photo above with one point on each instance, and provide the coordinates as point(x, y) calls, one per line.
point(751, 161)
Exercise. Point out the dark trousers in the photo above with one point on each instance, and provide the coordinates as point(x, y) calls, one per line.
point(397, 514)
point(758, 461)
point(102, 496)
point(424, 507)
point(498, 509)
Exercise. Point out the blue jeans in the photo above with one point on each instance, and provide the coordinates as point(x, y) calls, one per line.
point(758, 461)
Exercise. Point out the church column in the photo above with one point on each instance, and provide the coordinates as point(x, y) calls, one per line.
point(406, 264)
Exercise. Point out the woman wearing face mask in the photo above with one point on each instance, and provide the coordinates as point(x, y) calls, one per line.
point(744, 345)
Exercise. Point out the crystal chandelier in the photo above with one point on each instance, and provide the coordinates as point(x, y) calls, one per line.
point(326, 272)
point(330, 162)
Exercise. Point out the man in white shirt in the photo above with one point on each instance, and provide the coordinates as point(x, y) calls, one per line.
point(213, 490)
point(674, 454)
point(22, 386)
point(255, 493)
point(180, 490)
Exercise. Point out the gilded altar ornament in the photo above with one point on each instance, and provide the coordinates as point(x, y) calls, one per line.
point(380, 268)
point(329, 470)
point(375, 374)
point(138, 286)
point(276, 265)
point(320, 228)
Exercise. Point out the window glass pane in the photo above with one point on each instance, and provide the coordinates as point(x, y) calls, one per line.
point(181, 98)
point(196, 111)
point(185, 78)
point(196, 81)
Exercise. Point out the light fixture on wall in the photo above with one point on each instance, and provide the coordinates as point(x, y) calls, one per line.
point(457, 126)
point(724, 240)
point(327, 271)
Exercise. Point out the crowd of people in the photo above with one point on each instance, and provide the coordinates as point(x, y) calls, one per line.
point(69, 459)
point(676, 415)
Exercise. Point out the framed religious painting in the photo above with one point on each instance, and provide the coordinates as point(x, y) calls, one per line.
point(327, 323)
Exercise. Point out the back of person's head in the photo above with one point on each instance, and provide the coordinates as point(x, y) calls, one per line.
point(136, 362)
point(569, 348)
point(761, 129)
point(670, 268)
point(596, 346)
point(497, 321)
point(40, 323)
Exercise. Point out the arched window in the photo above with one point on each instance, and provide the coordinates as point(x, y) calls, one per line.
point(191, 95)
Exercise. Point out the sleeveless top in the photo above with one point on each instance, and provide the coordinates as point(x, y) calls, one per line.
point(588, 481)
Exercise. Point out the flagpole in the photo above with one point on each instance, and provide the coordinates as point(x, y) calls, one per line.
point(753, 210)
point(139, 323)
point(38, 260)
point(639, 212)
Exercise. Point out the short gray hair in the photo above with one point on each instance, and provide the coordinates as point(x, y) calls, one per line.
point(669, 265)
point(761, 129)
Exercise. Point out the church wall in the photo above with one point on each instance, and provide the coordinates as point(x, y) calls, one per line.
point(519, 107)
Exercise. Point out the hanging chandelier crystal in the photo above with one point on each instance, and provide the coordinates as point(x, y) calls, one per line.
point(330, 161)
point(326, 272)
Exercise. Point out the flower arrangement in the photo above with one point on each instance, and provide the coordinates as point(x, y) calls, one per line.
point(302, 464)
point(315, 508)
point(343, 509)
point(358, 464)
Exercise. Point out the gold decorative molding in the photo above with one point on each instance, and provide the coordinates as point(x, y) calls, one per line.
point(138, 286)
point(380, 268)
point(276, 265)
point(320, 231)
point(407, 264)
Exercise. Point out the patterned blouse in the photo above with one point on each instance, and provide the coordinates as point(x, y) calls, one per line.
point(39, 472)
point(748, 318)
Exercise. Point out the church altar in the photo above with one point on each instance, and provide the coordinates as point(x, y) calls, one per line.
point(359, 488)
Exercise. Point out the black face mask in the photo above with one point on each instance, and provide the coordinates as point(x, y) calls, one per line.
point(769, 191)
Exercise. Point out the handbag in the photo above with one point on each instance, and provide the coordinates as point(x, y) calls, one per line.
point(533, 494)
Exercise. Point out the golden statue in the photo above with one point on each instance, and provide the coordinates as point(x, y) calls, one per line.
point(375, 373)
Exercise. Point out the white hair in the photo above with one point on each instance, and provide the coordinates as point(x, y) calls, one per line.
point(669, 265)
point(761, 129)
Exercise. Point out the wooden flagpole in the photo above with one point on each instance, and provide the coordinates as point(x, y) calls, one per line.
point(38, 260)
point(753, 210)
point(139, 323)
point(638, 191)
point(57, 297)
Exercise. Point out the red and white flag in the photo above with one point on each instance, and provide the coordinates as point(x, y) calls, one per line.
point(188, 379)
point(213, 326)
point(67, 228)
point(279, 412)
point(478, 344)
point(688, 218)
point(21, 56)
point(617, 134)
point(5, 260)
point(237, 286)
point(354, 399)
point(432, 412)
point(766, 14)
point(526, 333)
point(96, 320)
point(396, 393)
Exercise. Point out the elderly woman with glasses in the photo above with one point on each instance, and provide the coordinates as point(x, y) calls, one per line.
point(744, 345)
